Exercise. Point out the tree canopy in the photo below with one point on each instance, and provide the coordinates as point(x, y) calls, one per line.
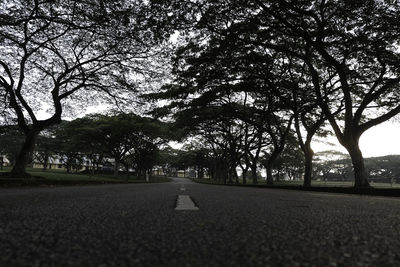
point(253, 80)
point(58, 54)
point(314, 60)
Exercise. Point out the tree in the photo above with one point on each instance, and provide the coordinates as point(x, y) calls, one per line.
point(68, 146)
point(11, 140)
point(348, 51)
point(45, 149)
point(290, 161)
point(77, 139)
point(324, 163)
point(352, 42)
point(58, 53)
point(216, 84)
point(254, 140)
point(115, 134)
point(308, 118)
point(150, 135)
point(222, 134)
point(197, 154)
point(384, 169)
point(129, 139)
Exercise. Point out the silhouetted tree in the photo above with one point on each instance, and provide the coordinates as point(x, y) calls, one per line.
point(11, 139)
point(351, 42)
point(45, 149)
point(63, 53)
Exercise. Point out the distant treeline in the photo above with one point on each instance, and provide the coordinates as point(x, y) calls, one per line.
point(385, 169)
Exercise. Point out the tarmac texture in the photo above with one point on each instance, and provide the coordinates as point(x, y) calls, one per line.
point(137, 225)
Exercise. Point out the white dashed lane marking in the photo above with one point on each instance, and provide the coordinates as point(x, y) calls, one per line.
point(184, 202)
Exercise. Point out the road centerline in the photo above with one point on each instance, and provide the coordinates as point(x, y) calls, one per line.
point(184, 202)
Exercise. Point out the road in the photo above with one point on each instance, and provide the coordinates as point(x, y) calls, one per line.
point(138, 225)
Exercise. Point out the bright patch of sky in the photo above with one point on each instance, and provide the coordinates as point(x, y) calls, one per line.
point(380, 140)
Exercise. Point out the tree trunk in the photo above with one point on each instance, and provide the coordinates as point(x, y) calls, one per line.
point(254, 174)
point(255, 180)
point(308, 158)
point(226, 177)
point(45, 163)
point(270, 164)
point(19, 169)
point(235, 175)
point(360, 174)
point(127, 172)
point(222, 172)
point(200, 174)
point(270, 179)
point(212, 174)
point(116, 167)
point(230, 175)
point(244, 176)
point(225, 173)
point(278, 175)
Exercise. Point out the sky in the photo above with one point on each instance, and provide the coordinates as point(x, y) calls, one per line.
point(381, 140)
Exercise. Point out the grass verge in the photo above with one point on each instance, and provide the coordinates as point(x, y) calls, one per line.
point(54, 178)
point(331, 188)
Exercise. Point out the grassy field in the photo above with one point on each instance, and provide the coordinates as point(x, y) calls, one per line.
point(57, 177)
point(313, 183)
point(336, 184)
point(377, 189)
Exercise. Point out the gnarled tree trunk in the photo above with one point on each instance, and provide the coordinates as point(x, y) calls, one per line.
point(116, 167)
point(308, 163)
point(270, 179)
point(360, 174)
point(19, 168)
point(254, 174)
point(244, 176)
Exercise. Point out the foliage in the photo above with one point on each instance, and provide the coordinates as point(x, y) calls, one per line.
point(245, 74)
point(129, 139)
point(319, 60)
point(11, 140)
point(59, 54)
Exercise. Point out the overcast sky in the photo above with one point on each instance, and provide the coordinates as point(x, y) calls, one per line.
point(380, 140)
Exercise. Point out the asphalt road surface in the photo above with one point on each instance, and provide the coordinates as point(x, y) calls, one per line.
point(138, 225)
